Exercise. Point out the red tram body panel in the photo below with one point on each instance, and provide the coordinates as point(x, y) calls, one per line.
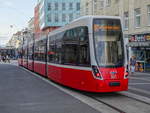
point(84, 79)
point(30, 65)
point(40, 68)
point(25, 63)
point(74, 78)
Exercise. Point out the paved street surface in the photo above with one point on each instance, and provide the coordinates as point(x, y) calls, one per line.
point(139, 83)
point(22, 92)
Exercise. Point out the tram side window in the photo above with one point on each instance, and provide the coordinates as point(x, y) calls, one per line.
point(25, 52)
point(43, 50)
point(51, 52)
point(58, 48)
point(39, 53)
point(70, 47)
point(30, 53)
point(84, 52)
point(36, 50)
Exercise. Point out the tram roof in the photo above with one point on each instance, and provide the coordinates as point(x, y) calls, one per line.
point(96, 16)
point(82, 21)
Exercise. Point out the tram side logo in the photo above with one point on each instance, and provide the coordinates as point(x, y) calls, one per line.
point(113, 75)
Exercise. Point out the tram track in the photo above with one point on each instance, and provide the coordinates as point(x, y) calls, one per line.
point(109, 105)
point(139, 98)
point(126, 105)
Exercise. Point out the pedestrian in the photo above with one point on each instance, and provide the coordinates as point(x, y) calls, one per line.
point(7, 59)
point(0, 57)
point(4, 58)
point(132, 64)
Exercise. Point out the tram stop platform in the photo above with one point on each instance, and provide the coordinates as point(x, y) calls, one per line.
point(22, 92)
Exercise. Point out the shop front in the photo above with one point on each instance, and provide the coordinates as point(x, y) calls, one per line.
point(139, 46)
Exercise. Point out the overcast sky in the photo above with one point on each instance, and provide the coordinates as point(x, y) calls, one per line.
point(16, 13)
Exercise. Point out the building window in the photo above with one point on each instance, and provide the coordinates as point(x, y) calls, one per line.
point(63, 17)
point(70, 17)
point(49, 7)
point(108, 2)
point(49, 18)
point(101, 4)
point(63, 6)
point(56, 17)
point(137, 18)
point(126, 21)
point(77, 15)
point(116, 1)
point(70, 6)
point(78, 6)
point(86, 8)
point(148, 12)
point(56, 6)
point(95, 6)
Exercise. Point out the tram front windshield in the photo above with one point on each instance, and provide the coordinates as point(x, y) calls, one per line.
point(108, 40)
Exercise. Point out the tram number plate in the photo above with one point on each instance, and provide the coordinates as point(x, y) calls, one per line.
point(114, 84)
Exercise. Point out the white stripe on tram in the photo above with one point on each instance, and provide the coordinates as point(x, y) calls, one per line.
point(39, 62)
point(71, 67)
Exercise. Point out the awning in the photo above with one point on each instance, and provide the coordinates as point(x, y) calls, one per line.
point(138, 44)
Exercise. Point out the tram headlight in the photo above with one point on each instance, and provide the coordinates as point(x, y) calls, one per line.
point(96, 73)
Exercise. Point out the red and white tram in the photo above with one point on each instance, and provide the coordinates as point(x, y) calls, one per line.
point(87, 54)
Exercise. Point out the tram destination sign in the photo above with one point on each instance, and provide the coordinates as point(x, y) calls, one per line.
point(98, 27)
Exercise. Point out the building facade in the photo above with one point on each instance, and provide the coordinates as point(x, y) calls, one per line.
point(56, 13)
point(135, 15)
point(15, 40)
point(31, 24)
point(91, 7)
point(37, 30)
point(36, 19)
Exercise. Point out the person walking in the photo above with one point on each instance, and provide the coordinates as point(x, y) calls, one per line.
point(7, 59)
point(132, 64)
point(4, 58)
point(0, 57)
